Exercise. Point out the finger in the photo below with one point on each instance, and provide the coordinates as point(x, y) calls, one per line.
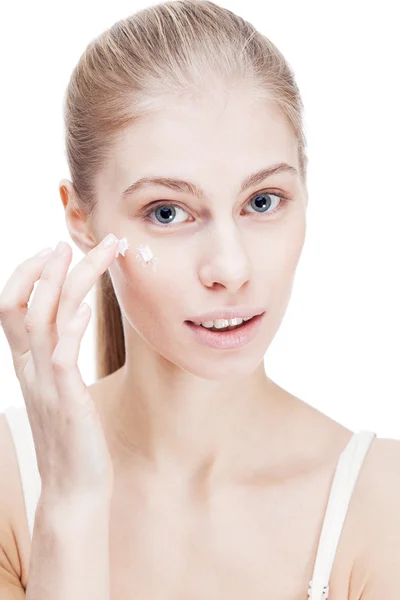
point(82, 278)
point(76, 402)
point(40, 320)
point(14, 300)
point(64, 361)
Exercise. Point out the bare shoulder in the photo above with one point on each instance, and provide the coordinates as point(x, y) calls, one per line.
point(376, 572)
point(13, 523)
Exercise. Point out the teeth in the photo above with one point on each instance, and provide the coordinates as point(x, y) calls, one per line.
point(221, 323)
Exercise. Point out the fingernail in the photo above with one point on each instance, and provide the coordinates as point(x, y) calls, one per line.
point(108, 241)
point(44, 253)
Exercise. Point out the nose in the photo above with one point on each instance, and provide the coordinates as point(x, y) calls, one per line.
point(226, 264)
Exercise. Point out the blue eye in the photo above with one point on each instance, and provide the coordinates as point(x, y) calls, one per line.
point(263, 205)
point(261, 202)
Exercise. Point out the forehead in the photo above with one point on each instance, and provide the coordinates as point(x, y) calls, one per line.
point(225, 133)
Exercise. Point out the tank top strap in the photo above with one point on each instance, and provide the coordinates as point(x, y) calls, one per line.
point(18, 422)
point(346, 474)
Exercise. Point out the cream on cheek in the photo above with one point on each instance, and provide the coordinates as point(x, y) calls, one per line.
point(143, 253)
point(134, 288)
point(150, 297)
point(145, 256)
point(141, 293)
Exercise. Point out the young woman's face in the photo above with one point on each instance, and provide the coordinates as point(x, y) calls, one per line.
point(218, 251)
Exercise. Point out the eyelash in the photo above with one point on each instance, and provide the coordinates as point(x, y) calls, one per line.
point(281, 206)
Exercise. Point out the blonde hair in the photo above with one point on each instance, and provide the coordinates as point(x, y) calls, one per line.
point(176, 48)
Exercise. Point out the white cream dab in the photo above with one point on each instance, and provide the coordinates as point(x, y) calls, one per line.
point(145, 255)
point(122, 247)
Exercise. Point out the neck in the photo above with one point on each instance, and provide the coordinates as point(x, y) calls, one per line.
point(174, 421)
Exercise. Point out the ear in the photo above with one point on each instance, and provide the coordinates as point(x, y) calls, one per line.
point(78, 224)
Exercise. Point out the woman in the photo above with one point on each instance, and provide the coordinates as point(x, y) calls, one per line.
point(184, 471)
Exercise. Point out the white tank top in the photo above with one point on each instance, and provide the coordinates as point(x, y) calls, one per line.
point(346, 474)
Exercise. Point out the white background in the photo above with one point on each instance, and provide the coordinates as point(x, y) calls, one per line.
point(338, 346)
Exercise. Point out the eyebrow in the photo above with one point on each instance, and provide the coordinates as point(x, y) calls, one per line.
point(188, 187)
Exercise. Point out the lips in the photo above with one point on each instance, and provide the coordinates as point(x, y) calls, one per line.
point(229, 328)
point(228, 313)
point(227, 340)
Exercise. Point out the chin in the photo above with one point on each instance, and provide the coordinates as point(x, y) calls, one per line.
point(233, 365)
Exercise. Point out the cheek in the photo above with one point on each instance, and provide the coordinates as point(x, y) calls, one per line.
point(295, 247)
point(140, 288)
point(282, 251)
point(287, 246)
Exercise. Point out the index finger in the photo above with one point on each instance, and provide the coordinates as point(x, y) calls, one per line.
point(82, 278)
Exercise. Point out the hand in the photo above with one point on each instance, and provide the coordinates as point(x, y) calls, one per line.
point(71, 450)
